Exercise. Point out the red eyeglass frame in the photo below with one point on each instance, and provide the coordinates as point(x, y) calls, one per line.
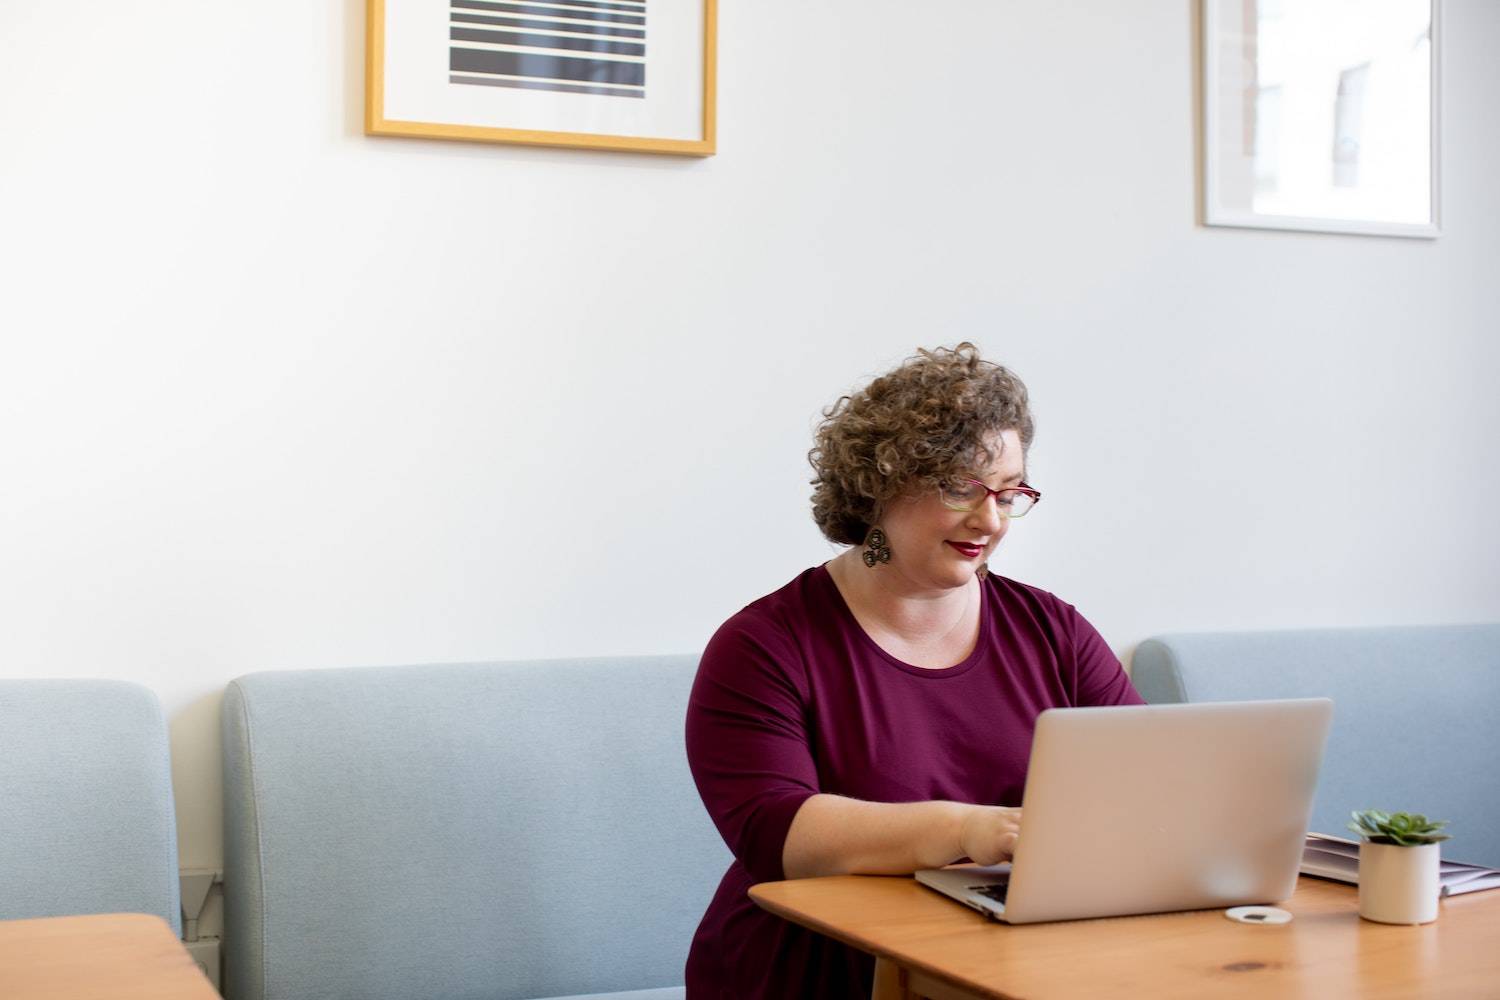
point(1035, 494)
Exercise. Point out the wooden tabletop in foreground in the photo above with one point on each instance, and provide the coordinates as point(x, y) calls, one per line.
point(113, 956)
point(1326, 951)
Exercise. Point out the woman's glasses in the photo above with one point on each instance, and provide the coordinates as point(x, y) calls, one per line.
point(969, 494)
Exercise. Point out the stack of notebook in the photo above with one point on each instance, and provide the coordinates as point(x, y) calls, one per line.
point(1337, 858)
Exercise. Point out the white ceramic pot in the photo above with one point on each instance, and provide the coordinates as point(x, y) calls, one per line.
point(1398, 885)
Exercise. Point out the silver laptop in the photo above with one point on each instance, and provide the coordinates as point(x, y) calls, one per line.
point(1154, 808)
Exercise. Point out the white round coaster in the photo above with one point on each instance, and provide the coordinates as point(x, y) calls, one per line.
point(1258, 915)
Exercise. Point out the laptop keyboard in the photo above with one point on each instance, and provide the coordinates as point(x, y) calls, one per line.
point(995, 891)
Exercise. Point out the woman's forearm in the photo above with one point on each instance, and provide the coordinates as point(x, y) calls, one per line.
point(833, 835)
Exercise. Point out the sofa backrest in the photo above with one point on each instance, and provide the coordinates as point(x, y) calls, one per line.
point(500, 830)
point(86, 817)
point(1416, 714)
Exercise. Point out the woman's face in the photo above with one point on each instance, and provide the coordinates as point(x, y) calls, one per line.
point(934, 547)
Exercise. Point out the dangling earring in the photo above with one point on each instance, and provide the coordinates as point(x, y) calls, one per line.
point(878, 550)
point(982, 572)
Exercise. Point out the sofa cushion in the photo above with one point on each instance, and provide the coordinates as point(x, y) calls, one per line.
point(497, 831)
point(1414, 714)
point(86, 817)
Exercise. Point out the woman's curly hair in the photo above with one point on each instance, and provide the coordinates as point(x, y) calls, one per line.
point(909, 429)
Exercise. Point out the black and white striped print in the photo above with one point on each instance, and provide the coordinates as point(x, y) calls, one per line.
point(573, 46)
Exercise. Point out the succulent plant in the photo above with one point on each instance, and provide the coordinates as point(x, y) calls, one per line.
point(1402, 829)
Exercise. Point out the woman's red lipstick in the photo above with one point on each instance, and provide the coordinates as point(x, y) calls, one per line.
point(966, 550)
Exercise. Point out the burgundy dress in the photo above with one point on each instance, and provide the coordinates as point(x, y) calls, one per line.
point(792, 698)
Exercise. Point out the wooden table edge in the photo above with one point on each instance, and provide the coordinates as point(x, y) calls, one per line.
point(148, 939)
point(889, 968)
point(1320, 903)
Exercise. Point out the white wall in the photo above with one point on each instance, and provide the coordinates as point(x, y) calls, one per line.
point(274, 394)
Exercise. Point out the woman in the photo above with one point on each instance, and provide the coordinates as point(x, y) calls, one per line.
point(874, 715)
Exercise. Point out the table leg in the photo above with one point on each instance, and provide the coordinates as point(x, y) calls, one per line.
point(890, 982)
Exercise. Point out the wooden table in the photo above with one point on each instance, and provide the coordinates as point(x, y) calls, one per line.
point(113, 956)
point(929, 946)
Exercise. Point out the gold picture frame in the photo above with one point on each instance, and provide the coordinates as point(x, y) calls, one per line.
point(538, 63)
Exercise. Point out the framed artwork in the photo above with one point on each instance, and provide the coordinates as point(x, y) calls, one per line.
point(632, 75)
point(1321, 115)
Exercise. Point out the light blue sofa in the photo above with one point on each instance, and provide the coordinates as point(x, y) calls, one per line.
point(86, 817)
point(498, 831)
point(1416, 716)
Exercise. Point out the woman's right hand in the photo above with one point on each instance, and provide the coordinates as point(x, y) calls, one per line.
point(989, 834)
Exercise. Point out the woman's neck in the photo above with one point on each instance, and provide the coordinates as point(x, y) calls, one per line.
point(880, 597)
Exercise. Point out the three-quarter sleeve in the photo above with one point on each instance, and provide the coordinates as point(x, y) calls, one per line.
point(747, 741)
point(1098, 677)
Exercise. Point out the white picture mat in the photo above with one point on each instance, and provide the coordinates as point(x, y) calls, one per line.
point(417, 87)
point(1410, 161)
